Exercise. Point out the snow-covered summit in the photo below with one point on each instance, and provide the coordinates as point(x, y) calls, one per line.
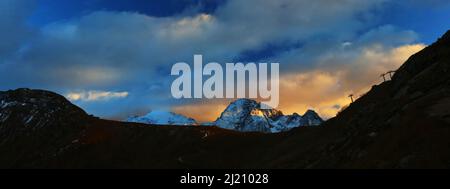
point(163, 118)
point(246, 115)
point(241, 115)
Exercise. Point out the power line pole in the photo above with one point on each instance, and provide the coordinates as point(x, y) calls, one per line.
point(384, 78)
point(390, 73)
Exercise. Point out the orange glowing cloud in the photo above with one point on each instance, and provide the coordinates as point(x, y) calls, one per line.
point(325, 88)
point(203, 112)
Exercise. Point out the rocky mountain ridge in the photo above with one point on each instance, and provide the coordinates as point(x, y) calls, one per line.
point(246, 115)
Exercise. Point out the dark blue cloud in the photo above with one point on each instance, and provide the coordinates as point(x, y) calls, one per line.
point(51, 11)
point(266, 51)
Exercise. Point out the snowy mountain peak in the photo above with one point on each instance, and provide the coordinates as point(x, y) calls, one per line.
point(246, 115)
point(163, 118)
point(243, 115)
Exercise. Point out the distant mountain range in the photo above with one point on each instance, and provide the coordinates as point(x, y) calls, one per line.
point(162, 118)
point(400, 123)
point(241, 115)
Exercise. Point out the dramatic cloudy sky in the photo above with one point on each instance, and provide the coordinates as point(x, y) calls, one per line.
point(113, 57)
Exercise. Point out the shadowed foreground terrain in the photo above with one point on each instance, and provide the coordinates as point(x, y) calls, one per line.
point(402, 123)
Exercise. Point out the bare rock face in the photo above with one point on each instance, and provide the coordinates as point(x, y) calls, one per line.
point(36, 125)
point(34, 109)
